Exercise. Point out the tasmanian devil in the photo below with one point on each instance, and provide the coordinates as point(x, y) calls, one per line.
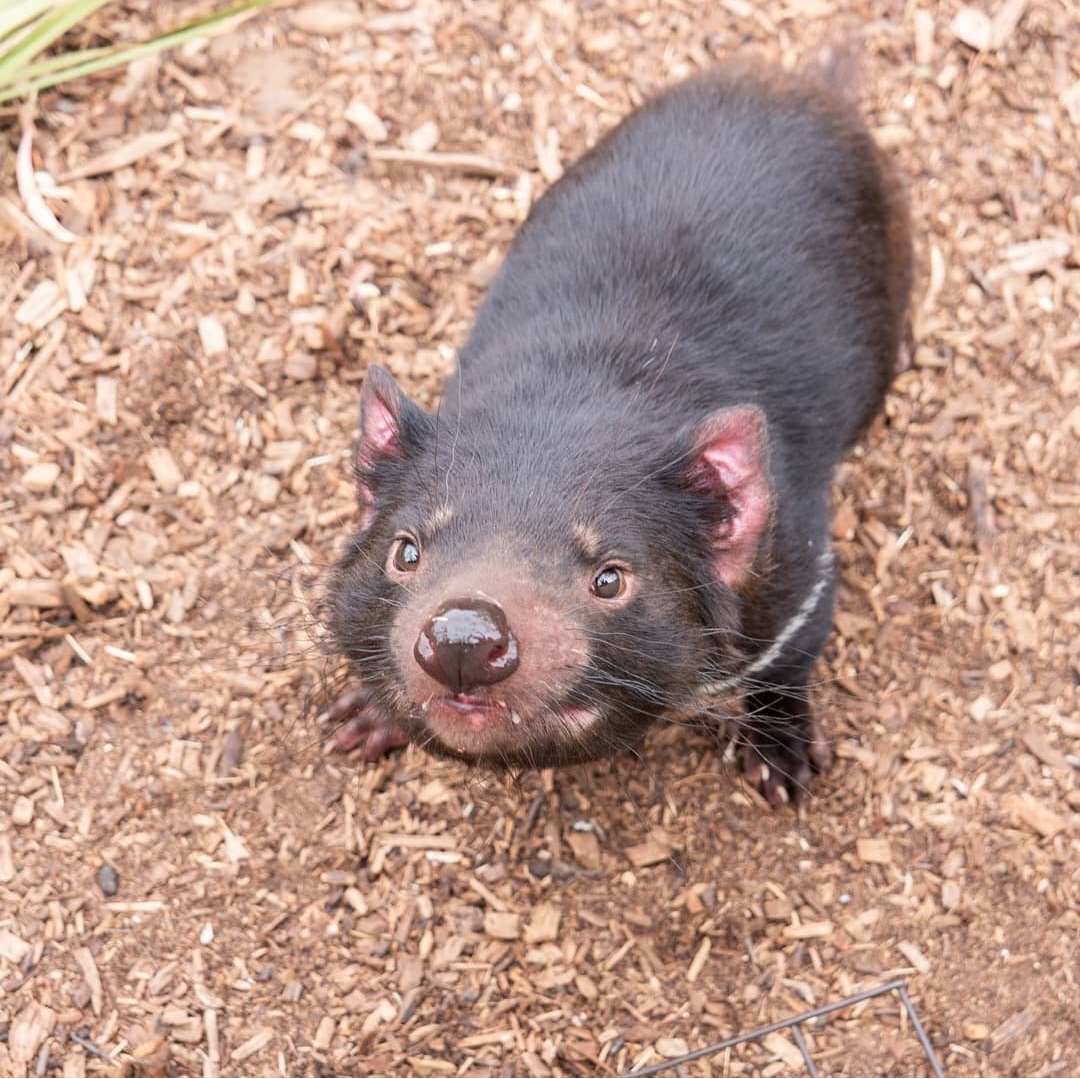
point(621, 510)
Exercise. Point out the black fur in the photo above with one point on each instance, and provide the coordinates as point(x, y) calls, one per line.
point(737, 241)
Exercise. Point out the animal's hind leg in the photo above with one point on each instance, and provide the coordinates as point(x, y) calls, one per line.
point(781, 742)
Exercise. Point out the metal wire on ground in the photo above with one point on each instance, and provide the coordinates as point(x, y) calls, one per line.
point(795, 1025)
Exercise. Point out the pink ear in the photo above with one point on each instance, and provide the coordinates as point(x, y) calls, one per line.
point(380, 433)
point(380, 419)
point(731, 464)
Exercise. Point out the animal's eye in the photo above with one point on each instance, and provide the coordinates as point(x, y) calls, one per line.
point(609, 583)
point(405, 554)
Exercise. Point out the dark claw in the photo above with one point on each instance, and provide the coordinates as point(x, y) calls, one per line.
point(783, 768)
point(358, 726)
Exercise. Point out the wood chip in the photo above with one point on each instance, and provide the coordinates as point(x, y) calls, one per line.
point(29, 1030)
point(475, 164)
point(22, 811)
point(7, 859)
point(488, 896)
point(105, 398)
point(138, 906)
point(35, 678)
point(367, 120)
point(1034, 256)
point(12, 948)
point(301, 366)
point(492, 1037)
point(45, 302)
point(950, 894)
point(873, 850)
point(327, 17)
point(924, 37)
point(410, 971)
point(424, 139)
point(208, 1000)
point(697, 964)
point(586, 848)
point(257, 1042)
point(164, 469)
point(932, 777)
point(235, 851)
point(324, 1035)
point(785, 1050)
point(973, 27)
point(1070, 98)
point(41, 477)
point(502, 925)
point(379, 1016)
point(808, 930)
point(1038, 745)
point(121, 156)
point(915, 957)
point(84, 957)
point(543, 924)
point(1033, 814)
point(777, 910)
point(982, 32)
point(672, 1047)
point(152, 1054)
point(1017, 1025)
point(422, 841)
point(548, 155)
point(355, 898)
point(648, 853)
point(1005, 20)
point(36, 592)
point(212, 336)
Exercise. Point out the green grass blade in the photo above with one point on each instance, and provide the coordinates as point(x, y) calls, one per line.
point(61, 61)
point(18, 14)
point(57, 69)
point(52, 26)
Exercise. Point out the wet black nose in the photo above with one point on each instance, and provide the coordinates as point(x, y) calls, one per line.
point(467, 643)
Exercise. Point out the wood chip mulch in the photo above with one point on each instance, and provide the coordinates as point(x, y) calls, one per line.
point(190, 886)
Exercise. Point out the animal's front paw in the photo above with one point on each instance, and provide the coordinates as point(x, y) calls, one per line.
point(357, 725)
point(781, 760)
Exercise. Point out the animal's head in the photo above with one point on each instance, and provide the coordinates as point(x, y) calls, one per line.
point(534, 586)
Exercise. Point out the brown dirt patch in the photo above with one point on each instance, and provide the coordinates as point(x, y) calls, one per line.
point(174, 433)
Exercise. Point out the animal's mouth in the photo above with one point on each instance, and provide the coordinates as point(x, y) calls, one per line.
point(461, 712)
point(475, 726)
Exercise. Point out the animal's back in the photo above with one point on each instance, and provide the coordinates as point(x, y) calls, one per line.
point(749, 225)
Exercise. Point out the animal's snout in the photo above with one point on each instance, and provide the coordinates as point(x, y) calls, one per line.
point(467, 643)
